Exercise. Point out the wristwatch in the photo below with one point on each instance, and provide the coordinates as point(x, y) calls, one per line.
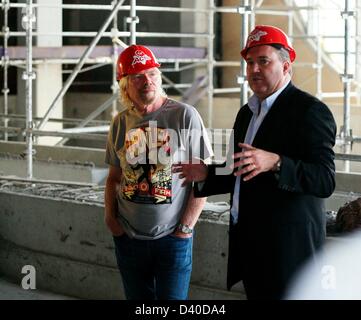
point(184, 228)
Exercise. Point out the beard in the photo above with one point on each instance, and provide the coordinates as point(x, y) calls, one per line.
point(148, 97)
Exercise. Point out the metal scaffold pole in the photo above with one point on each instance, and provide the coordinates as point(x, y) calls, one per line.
point(114, 86)
point(245, 10)
point(28, 21)
point(358, 50)
point(78, 67)
point(319, 65)
point(5, 62)
point(346, 132)
point(252, 14)
point(133, 20)
point(210, 62)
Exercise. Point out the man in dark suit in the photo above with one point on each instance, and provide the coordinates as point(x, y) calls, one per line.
point(283, 167)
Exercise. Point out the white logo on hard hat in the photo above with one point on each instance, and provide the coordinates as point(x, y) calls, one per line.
point(256, 36)
point(140, 57)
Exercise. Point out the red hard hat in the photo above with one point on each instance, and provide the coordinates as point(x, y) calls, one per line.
point(268, 35)
point(134, 59)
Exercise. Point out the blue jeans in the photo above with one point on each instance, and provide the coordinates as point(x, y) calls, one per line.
point(155, 269)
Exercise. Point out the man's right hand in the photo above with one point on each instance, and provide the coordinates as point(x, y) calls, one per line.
point(118, 234)
point(113, 225)
point(191, 172)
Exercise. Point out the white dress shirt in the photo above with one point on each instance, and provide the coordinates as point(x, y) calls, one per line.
point(255, 123)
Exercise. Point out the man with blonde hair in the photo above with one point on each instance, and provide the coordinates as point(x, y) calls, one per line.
point(149, 214)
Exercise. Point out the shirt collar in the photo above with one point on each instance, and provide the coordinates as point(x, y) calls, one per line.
point(253, 101)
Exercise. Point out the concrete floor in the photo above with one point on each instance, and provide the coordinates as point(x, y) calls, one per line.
point(13, 291)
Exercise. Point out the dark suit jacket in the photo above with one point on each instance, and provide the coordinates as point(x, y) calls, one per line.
point(281, 218)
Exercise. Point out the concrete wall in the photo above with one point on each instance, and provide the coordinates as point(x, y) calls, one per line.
point(348, 188)
point(71, 154)
point(55, 163)
point(52, 170)
point(72, 251)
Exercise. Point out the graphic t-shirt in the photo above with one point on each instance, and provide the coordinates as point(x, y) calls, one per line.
point(151, 199)
point(146, 180)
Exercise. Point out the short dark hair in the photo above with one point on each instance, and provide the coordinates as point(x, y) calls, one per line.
point(276, 45)
point(282, 52)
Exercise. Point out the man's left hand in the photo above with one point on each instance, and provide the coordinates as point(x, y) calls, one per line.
point(253, 161)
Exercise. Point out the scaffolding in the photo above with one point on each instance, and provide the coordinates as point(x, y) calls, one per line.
point(181, 58)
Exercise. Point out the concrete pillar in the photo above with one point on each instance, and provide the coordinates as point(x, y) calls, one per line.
point(49, 76)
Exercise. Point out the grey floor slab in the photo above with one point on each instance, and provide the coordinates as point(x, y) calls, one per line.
point(13, 291)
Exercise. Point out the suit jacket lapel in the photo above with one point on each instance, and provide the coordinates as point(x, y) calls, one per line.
point(274, 111)
point(241, 126)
